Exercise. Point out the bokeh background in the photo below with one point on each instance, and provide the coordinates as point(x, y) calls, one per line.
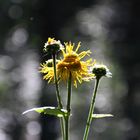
point(110, 28)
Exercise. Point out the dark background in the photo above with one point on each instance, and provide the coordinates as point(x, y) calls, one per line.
point(111, 29)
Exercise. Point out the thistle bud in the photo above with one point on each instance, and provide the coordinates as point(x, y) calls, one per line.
point(53, 46)
point(101, 70)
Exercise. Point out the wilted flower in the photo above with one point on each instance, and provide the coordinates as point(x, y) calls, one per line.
point(101, 70)
point(53, 46)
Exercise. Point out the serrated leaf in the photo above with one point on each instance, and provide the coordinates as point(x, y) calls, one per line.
point(48, 110)
point(99, 116)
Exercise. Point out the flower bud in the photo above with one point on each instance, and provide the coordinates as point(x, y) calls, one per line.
point(52, 46)
point(101, 70)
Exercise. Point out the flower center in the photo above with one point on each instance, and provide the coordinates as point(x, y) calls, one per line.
point(70, 62)
point(70, 58)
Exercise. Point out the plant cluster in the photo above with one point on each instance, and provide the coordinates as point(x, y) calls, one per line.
point(73, 70)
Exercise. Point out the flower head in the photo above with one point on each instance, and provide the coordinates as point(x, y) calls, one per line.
point(71, 63)
point(101, 70)
point(53, 46)
point(48, 70)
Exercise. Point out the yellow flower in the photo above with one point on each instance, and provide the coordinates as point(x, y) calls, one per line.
point(48, 70)
point(71, 63)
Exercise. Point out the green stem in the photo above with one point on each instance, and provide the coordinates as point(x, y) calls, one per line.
point(56, 84)
point(68, 108)
point(60, 106)
point(91, 110)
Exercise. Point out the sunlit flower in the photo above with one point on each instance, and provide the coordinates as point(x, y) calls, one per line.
point(53, 46)
point(72, 63)
point(101, 70)
point(48, 70)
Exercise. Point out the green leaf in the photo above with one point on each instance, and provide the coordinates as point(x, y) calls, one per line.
point(49, 110)
point(99, 116)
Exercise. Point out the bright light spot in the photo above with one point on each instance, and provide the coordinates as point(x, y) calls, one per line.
point(3, 136)
point(20, 37)
point(90, 24)
point(31, 82)
point(6, 62)
point(33, 128)
point(103, 103)
point(15, 75)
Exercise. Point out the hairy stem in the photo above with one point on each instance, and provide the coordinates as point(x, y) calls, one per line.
point(68, 107)
point(91, 110)
point(60, 106)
